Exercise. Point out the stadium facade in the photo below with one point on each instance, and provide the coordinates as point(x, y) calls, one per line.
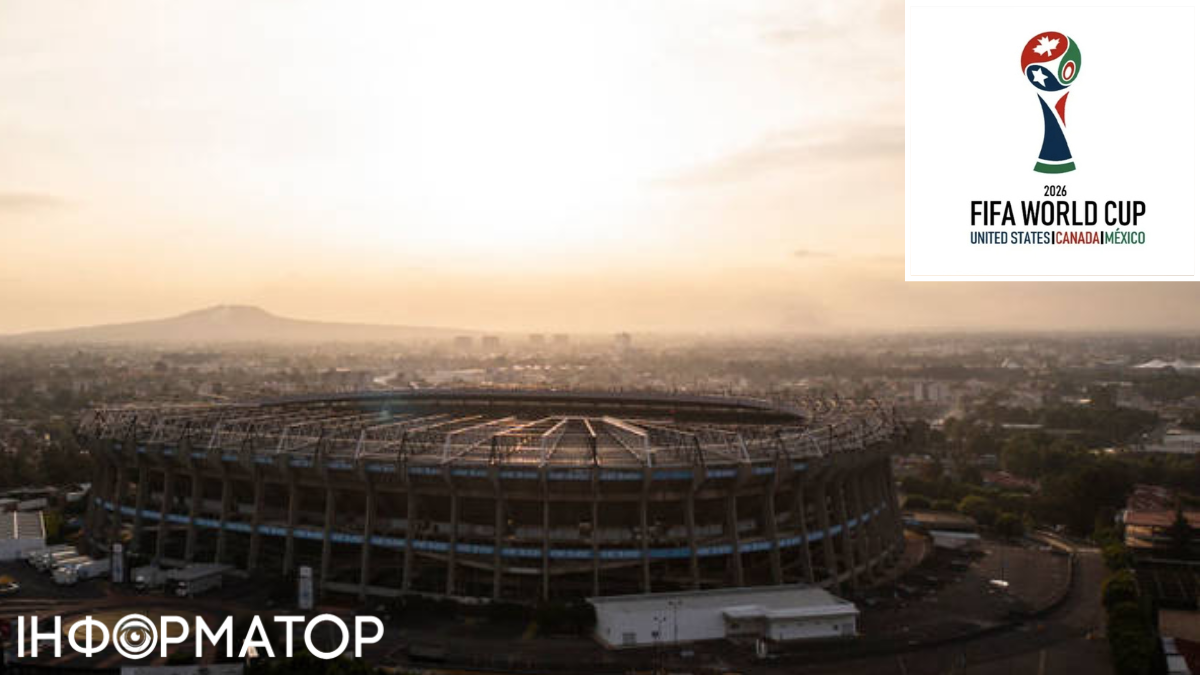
point(513, 495)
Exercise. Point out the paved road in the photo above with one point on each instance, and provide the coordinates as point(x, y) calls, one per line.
point(1068, 641)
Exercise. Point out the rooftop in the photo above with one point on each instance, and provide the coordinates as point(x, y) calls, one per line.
point(524, 427)
point(22, 525)
point(774, 601)
point(941, 520)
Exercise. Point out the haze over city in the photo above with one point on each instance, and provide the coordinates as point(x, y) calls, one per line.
point(675, 167)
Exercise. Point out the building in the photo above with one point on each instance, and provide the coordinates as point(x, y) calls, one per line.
point(1180, 631)
point(776, 613)
point(948, 530)
point(21, 531)
point(1176, 442)
point(1149, 518)
point(1148, 533)
point(1008, 481)
point(931, 392)
point(507, 494)
point(623, 342)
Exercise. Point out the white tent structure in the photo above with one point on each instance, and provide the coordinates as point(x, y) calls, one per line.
point(779, 613)
point(21, 531)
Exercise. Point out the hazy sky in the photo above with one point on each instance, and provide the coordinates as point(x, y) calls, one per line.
point(554, 166)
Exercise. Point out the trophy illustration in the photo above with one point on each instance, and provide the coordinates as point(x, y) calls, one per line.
point(1051, 63)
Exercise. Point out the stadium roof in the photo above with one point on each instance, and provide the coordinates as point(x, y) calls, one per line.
point(524, 427)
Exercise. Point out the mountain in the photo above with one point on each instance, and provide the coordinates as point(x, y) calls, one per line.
point(232, 323)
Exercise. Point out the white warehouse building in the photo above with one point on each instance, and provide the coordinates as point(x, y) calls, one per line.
point(779, 613)
point(21, 531)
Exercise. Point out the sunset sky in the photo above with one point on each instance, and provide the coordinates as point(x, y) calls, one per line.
point(579, 166)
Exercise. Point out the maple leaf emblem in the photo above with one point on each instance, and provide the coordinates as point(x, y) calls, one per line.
point(1045, 46)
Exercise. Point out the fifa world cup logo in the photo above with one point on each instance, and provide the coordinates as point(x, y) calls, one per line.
point(1050, 62)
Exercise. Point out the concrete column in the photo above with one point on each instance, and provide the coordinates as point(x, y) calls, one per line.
point(773, 531)
point(863, 490)
point(289, 544)
point(734, 540)
point(139, 503)
point(861, 532)
point(497, 545)
point(893, 505)
point(689, 513)
point(595, 536)
point(409, 538)
point(545, 540)
point(821, 494)
point(452, 563)
point(164, 511)
point(260, 490)
point(98, 525)
point(226, 507)
point(327, 534)
point(839, 503)
point(872, 499)
point(119, 488)
point(364, 573)
point(92, 515)
point(189, 549)
point(644, 519)
point(799, 511)
point(894, 535)
point(101, 490)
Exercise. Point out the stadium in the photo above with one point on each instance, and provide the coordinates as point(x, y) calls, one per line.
point(504, 495)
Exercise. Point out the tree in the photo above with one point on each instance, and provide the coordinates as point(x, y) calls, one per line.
point(979, 508)
point(916, 502)
point(1021, 455)
point(1130, 639)
point(971, 475)
point(1119, 587)
point(1116, 556)
point(931, 471)
point(52, 520)
point(942, 505)
point(1180, 534)
point(1010, 524)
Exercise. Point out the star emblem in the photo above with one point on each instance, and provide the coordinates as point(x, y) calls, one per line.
point(1039, 76)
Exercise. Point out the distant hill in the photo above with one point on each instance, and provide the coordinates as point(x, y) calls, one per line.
point(232, 323)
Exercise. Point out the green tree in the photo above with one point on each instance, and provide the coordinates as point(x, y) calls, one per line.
point(1180, 534)
point(1116, 556)
point(53, 522)
point(942, 505)
point(916, 502)
point(1130, 639)
point(1010, 524)
point(979, 508)
point(1119, 587)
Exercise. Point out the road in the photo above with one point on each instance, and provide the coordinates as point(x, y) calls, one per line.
point(1068, 641)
